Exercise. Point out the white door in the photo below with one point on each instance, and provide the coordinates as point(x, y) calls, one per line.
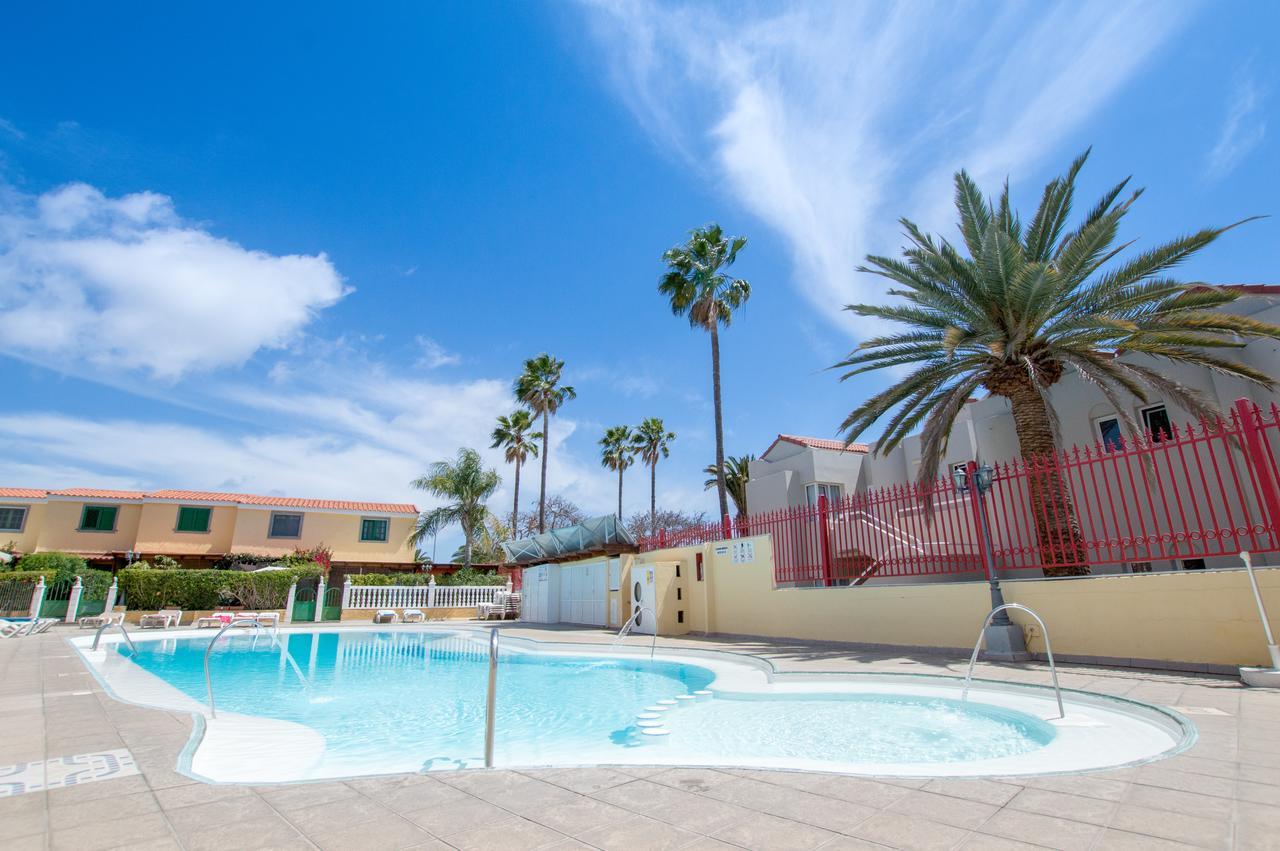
point(644, 599)
point(582, 593)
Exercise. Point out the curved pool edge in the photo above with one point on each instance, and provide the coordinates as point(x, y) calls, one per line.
point(1181, 730)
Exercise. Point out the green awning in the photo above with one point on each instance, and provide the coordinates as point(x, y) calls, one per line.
point(596, 536)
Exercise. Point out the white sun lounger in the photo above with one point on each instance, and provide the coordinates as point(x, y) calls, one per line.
point(386, 616)
point(162, 619)
point(17, 629)
point(271, 619)
point(414, 616)
point(91, 621)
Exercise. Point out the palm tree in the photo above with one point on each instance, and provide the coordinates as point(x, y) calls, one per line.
point(1015, 306)
point(539, 387)
point(485, 546)
point(736, 474)
point(517, 441)
point(652, 441)
point(696, 286)
point(465, 484)
point(617, 453)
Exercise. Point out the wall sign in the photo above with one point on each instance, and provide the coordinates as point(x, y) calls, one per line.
point(744, 552)
point(722, 550)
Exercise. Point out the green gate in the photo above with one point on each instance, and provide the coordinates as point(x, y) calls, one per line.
point(93, 597)
point(57, 595)
point(304, 605)
point(332, 608)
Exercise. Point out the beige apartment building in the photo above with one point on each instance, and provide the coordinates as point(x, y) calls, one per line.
point(111, 527)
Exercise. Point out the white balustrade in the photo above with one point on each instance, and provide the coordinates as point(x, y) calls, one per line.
point(420, 596)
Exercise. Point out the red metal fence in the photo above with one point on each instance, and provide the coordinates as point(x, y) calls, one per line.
point(1207, 490)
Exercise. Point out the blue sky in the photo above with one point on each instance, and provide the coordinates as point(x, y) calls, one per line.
point(303, 249)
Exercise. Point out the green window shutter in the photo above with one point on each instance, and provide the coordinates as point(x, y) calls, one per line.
point(193, 519)
point(373, 530)
point(98, 518)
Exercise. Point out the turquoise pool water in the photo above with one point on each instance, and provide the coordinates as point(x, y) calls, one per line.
point(412, 701)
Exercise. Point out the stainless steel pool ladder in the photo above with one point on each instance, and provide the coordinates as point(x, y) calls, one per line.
point(98, 635)
point(208, 681)
point(490, 707)
point(1048, 649)
point(631, 621)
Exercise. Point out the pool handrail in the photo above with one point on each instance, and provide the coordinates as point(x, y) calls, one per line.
point(490, 706)
point(208, 680)
point(626, 628)
point(98, 635)
point(1048, 649)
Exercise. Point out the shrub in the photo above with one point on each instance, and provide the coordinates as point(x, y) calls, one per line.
point(207, 589)
point(165, 563)
point(390, 579)
point(230, 560)
point(56, 563)
point(471, 576)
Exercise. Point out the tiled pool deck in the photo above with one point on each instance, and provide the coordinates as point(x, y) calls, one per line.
point(1223, 793)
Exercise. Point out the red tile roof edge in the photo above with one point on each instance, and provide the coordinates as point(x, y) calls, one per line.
point(819, 443)
point(217, 496)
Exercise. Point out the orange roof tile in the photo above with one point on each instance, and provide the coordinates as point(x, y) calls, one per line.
point(98, 493)
point(219, 496)
point(24, 493)
point(819, 443)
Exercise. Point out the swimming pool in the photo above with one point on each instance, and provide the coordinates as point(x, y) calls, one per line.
point(373, 701)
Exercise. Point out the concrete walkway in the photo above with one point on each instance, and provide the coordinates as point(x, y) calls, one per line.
point(1223, 793)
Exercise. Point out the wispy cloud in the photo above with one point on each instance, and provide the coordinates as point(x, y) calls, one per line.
point(433, 355)
point(1243, 129)
point(828, 121)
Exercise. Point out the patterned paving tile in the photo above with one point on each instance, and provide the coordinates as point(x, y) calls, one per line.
point(63, 772)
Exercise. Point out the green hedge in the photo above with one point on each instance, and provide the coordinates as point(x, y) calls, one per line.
point(95, 582)
point(52, 563)
point(192, 590)
point(458, 577)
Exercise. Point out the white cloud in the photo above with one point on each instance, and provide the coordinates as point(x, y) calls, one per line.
point(1242, 131)
point(92, 281)
point(435, 355)
point(829, 121)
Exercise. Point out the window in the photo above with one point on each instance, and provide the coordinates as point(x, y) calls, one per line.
point(373, 529)
point(1193, 564)
point(1156, 421)
point(193, 519)
point(1140, 567)
point(285, 525)
point(1109, 432)
point(98, 518)
point(813, 491)
point(12, 519)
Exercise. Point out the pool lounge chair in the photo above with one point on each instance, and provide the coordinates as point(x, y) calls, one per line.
point(487, 611)
point(162, 619)
point(511, 607)
point(271, 619)
point(414, 616)
point(94, 621)
point(216, 619)
point(19, 628)
point(386, 616)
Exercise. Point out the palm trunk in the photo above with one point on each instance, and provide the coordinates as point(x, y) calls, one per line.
point(653, 498)
point(515, 505)
point(466, 548)
point(1062, 549)
point(619, 494)
point(715, 397)
point(542, 492)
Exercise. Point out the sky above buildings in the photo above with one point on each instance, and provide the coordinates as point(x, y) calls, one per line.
point(303, 249)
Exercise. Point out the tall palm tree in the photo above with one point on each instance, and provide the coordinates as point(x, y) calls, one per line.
point(651, 441)
point(617, 453)
point(539, 387)
point(465, 484)
point(736, 474)
point(696, 286)
point(1015, 306)
point(513, 433)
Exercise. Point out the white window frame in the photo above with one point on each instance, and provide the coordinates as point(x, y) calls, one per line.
point(1097, 429)
point(271, 525)
point(386, 530)
point(22, 524)
point(817, 491)
point(1146, 424)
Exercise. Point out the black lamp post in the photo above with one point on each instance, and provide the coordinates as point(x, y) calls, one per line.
point(979, 480)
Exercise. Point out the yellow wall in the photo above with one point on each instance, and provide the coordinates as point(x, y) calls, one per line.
point(1198, 618)
point(157, 531)
point(338, 532)
point(25, 541)
point(60, 525)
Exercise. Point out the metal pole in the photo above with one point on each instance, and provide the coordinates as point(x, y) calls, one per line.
point(1262, 611)
point(978, 497)
point(491, 702)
